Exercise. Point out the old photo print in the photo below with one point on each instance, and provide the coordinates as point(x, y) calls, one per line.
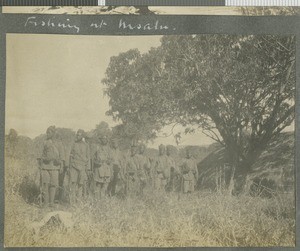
point(150, 141)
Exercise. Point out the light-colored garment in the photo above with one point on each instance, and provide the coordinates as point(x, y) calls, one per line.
point(132, 165)
point(131, 174)
point(162, 172)
point(143, 162)
point(163, 166)
point(143, 165)
point(189, 172)
point(103, 164)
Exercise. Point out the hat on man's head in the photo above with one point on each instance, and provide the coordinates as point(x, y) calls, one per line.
point(51, 128)
point(80, 131)
point(161, 146)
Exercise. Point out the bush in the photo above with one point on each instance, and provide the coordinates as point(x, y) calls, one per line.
point(204, 218)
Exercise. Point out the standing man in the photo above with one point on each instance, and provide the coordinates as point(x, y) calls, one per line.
point(50, 164)
point(131, 172)
point(174, 172)
point(117, 167)
point(162, 170)
point(62, 155)
point(79, 166)
point(102, 167)
point(144, 171)
point(189, 173)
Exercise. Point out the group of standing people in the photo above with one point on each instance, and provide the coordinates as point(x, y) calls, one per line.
point(107, 170)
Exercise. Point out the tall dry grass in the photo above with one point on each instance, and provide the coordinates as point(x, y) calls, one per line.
point(154, 220)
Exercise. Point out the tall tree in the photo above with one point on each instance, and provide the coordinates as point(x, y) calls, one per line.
point(129, 86)
point(238, 89)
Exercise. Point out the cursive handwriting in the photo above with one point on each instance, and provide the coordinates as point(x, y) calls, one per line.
point(67, 24)
point(99, 25)
point(51, 22)
point(148, 26)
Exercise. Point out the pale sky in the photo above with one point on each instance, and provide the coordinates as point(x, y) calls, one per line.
point(56, 80)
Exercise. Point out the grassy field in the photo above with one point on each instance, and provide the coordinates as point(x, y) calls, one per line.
point(166, 220)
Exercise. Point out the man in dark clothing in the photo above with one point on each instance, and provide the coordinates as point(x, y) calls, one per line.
point(50, 164)
point(118, 160)
point(131, 172)
point(62, 153)
point(144, 171)
point(189, 173)
point(102, 164)
point(161, 170)
point(79, 166)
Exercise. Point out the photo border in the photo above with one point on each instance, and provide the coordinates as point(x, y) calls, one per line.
point(179, 25)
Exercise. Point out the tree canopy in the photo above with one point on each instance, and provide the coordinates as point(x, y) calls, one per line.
point(238, 89)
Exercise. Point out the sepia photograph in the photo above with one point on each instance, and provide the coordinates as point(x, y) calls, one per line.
point(150, 141)
point(155, 10)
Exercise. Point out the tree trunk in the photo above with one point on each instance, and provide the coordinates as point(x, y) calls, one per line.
point(242, 170)
point(239, 171)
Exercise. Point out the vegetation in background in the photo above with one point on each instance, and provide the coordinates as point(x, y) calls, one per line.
point(209, 217)
point(239, 90)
